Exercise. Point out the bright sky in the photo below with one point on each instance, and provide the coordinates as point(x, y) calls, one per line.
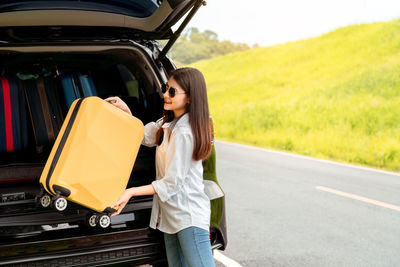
point(269, 22)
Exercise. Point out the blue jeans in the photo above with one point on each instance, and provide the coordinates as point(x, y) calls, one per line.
point(189, 247)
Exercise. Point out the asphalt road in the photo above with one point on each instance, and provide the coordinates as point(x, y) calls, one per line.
point(278, 214)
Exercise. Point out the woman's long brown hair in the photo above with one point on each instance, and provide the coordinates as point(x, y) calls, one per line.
point(193, 83)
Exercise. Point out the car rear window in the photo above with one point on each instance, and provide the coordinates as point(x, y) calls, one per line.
point(133, 8)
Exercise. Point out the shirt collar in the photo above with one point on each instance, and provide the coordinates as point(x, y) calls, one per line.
point(183, 121)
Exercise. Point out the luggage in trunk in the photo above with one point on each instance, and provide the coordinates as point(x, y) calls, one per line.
point(76, 85)
point(44, 109)
point(93, 156)
point(13, 117)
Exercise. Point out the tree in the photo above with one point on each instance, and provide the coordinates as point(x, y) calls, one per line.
point(194, 45)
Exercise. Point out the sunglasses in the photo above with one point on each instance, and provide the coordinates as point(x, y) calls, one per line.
point(171, 90)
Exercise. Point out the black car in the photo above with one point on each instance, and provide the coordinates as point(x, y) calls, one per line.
point(114, 45)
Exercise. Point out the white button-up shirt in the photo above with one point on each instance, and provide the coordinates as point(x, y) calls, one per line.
point(180, 201)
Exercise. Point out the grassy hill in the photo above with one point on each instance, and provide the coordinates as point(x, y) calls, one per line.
point(336, 96)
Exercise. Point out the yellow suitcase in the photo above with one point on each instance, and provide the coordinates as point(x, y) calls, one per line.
point(93, 156)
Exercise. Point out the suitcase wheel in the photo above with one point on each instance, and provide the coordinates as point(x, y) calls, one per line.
point(59, 203)
point(45, 200)
point(103, 220)
point(91, 221)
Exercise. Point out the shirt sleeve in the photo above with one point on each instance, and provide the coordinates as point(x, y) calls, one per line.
point(179, 158)
point(150, 132)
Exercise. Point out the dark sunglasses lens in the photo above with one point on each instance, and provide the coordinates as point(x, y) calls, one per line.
point(172, 91)
point(163, 88)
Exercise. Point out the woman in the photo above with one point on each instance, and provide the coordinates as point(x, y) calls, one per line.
point(181, 209)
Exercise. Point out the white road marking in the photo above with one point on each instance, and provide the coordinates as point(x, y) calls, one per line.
point(225, 260)
point(310, 158)
point(360, 198)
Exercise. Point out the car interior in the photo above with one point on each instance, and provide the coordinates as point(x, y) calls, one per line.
point(114, 72)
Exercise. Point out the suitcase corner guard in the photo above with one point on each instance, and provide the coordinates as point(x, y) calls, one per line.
point(109, 210)
point(63, 191)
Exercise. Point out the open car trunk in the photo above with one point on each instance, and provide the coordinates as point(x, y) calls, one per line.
point(114, 71)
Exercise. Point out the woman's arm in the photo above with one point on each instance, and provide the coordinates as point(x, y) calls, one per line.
point(150, 133)
point(150, 129)
point(178, 162)
point(142, 190)
point(132, 192)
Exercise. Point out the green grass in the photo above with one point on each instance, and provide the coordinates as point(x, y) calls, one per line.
point(336, 96)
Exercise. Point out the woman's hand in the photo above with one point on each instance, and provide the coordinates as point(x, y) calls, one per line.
point(121, 203)
point(143, 190)
point(116, 101)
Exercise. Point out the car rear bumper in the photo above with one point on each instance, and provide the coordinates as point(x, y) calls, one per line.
point(135, 246)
